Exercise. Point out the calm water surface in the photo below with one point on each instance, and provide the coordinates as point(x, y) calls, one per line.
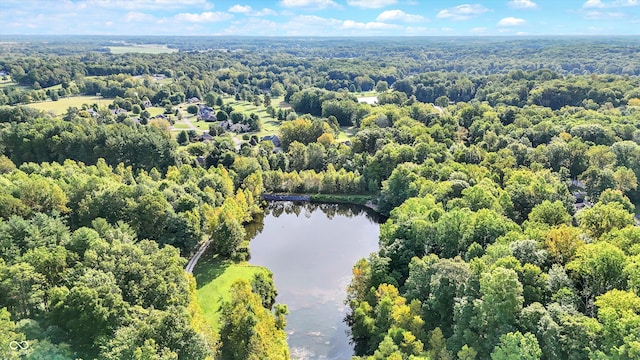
point(311, 249)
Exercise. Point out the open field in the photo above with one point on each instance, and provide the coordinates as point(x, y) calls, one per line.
point(60, 107)
point(270, 126)
point(366, 93)
point(214, 278)
point(11, 84)
point(142, 49)
point(155, 111)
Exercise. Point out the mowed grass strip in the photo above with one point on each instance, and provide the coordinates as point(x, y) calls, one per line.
point(60, 107)
point(11, 84)
point(214, 277)
point(181, 126)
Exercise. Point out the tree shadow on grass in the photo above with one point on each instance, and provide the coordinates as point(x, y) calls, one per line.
point(209, 268)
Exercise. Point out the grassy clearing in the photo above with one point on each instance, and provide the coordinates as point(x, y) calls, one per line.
point(142, 49)
point(201, 125)
point(155, 111)
point(10, 84)
point(7, 83)
point(214, 277)
point(60, 107)
point(270, 126)
point(346, 133)
point(366, 93)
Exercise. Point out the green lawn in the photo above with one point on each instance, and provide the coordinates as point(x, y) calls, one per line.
point(60, 107)
point(181, 126)
point(270, 126)
point(214, 277)
point(153, 111)
point(201, 125)
point(346, 133)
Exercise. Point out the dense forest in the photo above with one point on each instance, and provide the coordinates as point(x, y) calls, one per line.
point(508, 169)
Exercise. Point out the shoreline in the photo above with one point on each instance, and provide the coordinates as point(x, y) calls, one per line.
point(359, 200)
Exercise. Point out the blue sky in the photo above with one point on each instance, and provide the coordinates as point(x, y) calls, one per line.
point(321, 17)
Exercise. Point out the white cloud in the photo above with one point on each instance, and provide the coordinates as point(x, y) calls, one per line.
point(237, 8)
point(310, 25)
point(264, 12)
point(593, 4)
point(479, 30)
point(602, 15)
point(616, 3)
point(208, 16)
point(462, 12)
point(143, 4)
point(374, 25)
point(523, 4)
point(317, 4)
point(251, 26)
point(511, 21)
point(415, 29)
point(371, 4)
point(399, 15)
point(249, 11)
point(134, 16)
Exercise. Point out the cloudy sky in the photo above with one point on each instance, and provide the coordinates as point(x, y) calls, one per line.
point(321, 17)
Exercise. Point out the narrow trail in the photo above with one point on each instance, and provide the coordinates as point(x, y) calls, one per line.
point(194, 260)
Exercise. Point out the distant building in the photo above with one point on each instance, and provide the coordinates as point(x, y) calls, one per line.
point(207, 114)
point(273, 138)
point(206, 136)
point(193, 100)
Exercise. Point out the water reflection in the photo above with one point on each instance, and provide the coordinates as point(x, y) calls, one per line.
point(277, 208)
point(311, 249)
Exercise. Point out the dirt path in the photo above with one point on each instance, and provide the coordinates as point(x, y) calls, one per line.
point(194, 260)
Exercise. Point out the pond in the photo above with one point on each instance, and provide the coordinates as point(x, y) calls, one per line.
point(311, 250)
